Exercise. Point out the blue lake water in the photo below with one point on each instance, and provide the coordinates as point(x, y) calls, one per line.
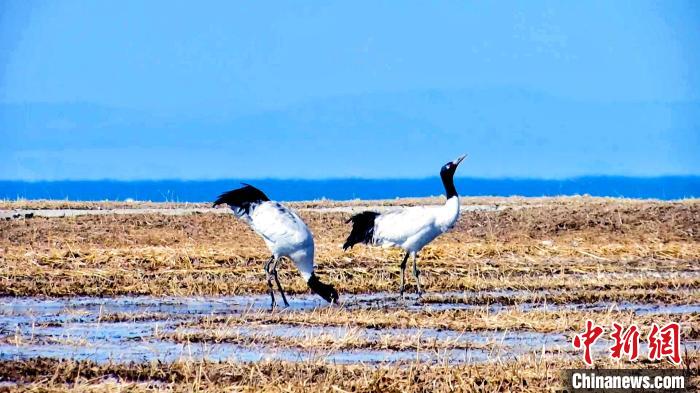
point(667, 187)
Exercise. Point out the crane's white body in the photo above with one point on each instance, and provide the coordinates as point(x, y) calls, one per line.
point(413, 227)
point(409, 228)
point(284, 233)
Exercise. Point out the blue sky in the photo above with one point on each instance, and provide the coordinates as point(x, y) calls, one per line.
point(163, 89)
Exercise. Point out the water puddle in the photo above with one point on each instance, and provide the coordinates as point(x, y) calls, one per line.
point(170, 352)
point(85, 328)
point(526, 300)
point(637, 308)
point(74, 328)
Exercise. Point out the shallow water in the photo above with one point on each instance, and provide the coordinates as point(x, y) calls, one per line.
point(169, 351)
point(75, 328)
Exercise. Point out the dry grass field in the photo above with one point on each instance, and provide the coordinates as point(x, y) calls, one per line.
point(506, 290)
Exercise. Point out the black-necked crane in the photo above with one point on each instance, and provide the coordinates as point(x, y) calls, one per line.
point(284, 233)
point(409, 228)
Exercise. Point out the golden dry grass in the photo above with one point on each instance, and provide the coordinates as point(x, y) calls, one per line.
point(529, 374)
point(529, 252)
point(216, 254)
point(470, 320)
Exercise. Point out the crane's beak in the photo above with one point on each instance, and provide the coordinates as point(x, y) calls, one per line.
point(459, 159)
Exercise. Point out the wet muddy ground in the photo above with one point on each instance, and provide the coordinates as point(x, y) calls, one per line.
point(153, 293)
point(143, 329)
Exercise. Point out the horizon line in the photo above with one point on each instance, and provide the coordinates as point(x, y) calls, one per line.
point(236, 179)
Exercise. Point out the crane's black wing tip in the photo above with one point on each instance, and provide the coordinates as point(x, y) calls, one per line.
point(362, 229)
point(241, 197)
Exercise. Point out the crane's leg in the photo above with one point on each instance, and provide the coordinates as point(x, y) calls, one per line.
point(277, 280)
point(403, 271)
point(416, 274)
point(268, 275)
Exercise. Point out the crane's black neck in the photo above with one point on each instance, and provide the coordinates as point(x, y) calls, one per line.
point(448, 182)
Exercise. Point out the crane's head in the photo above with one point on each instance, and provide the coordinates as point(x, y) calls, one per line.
point(450, 168)
point(326, 291)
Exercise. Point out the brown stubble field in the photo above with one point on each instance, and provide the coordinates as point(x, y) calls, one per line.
point(522, 254)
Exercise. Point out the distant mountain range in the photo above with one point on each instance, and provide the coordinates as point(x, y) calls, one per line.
point(507, 133)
